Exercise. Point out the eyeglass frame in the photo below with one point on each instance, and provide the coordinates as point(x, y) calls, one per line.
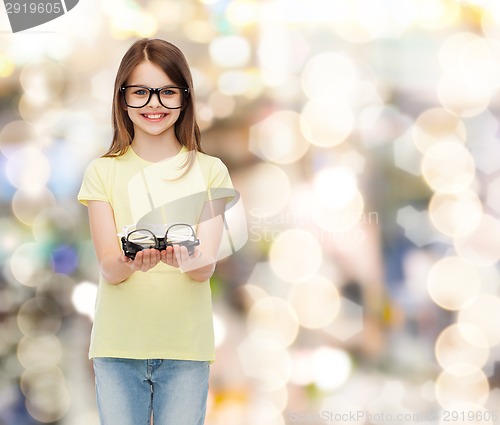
point(130, 249)
point(157, 90)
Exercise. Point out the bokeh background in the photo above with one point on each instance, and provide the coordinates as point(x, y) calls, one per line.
point(364, 140)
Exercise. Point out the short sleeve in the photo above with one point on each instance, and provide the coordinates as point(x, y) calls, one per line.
point(220, 184)
point(93, 187)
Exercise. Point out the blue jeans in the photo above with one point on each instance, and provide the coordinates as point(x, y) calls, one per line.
point(129, 391)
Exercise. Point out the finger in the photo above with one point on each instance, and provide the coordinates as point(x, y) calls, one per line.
point(171, 258)
point(163, 255)
point(184, 254)
point(178, 255)
point(126, 259)
point(148, 259)
point(197, 252)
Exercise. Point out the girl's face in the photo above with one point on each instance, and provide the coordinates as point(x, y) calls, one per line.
point(152, 119)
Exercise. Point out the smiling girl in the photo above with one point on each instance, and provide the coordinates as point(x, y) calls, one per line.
point(152, 340)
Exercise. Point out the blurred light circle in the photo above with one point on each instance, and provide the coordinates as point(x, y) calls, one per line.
point(462, 97)
point(168, 14)
point(42, 81)
point(479, 60)
point(436, 14)
point(230, 51)
point(83, 298)
point(340, 218)
point(29, 265)
point(295, 255)
point(448, 167)
point(88, 266)
point(102, 85)
point(222, 105)
point(302, 374)
point(316, 302)
point(493, 194)
point(64, 259)
point(461, 383)
point(203, 82)
point(379, 124)
point(220, 330)
point(282, 53)
point(335, 187)
point(199, 31)
point(452, 282)
point(7, 66)
point(38, 314)
point(11, 236)
point(29, 378)
point(471, 58)
point(43, 116)
point(39, 352)
point(326, 121)
point(263, 412)
point(28, 169)
point(451, 47)
point(58, 290)
point(267, 361)
point(482, 246)
point(278, 138)
point(243, 13)
point(452, 348)
point(47, 398)
point(16, 135)
point(278, 399)
point(330, 74)
point(205, 116)
point(27, 205)
point(266, 189)
point(331, 368)
point(435, 125)
point(490, 20)
point(55, 225)
point(239, 83)
point(483, 312)
point(363, 21)
point(126, 22)
point(456, 214)
point(273, 318)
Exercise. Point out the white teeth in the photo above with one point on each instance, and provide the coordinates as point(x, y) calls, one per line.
point(155, 116)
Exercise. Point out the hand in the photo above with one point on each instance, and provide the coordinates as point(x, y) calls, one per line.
point(144, 260)
point(178, 256)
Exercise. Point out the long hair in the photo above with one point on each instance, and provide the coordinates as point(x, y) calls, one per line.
point(169, 58)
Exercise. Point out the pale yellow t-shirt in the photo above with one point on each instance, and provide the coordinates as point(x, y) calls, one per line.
point(161, 313)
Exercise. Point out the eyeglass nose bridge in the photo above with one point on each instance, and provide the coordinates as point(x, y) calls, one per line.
point(154, 91)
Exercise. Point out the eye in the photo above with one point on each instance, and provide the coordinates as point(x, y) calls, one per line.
point(141, 92)
point(169, 92)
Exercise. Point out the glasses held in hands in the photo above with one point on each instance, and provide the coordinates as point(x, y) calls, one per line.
point(176, 234)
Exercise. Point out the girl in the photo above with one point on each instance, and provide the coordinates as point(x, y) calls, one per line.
point(152, 338)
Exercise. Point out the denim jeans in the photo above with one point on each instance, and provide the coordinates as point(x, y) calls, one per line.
point(129, 391)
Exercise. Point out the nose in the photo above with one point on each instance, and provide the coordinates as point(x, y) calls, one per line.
point(154, 98)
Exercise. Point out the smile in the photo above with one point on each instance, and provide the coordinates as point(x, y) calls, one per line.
point(153, 116)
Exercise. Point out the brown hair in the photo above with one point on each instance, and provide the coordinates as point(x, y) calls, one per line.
point(169, 58)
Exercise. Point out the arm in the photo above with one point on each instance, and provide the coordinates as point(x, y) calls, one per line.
point(115, 267)
point(201, 265)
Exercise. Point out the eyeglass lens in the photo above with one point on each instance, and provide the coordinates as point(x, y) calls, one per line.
point(169, 97)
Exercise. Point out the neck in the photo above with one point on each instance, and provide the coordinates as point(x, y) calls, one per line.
point(155, 148)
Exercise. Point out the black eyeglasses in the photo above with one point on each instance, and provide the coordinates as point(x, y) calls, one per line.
point(170, 97)
point(140, 239)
